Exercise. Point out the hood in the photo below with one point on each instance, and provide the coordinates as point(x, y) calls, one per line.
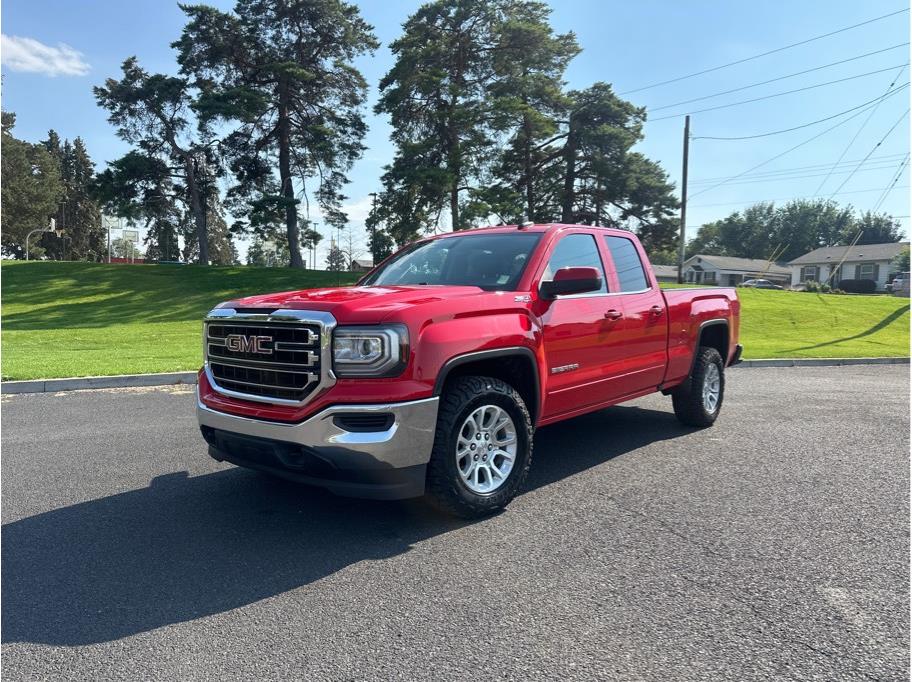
point(370, 305)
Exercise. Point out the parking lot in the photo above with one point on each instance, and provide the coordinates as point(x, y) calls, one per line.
point(774, 545)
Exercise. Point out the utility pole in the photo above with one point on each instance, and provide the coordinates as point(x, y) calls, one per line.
point(313, 248)
point(683, 200)
point(373, 196)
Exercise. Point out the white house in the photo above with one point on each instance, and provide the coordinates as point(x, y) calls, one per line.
point(863, 261)
point(728, 271)
point(361, 265)
point(666, 273)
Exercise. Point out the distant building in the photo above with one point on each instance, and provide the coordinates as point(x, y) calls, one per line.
point(864, 261)
point(361, 265)
point(666, 273)
point(727, 271)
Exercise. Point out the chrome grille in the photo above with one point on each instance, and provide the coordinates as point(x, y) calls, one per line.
point(267, 357)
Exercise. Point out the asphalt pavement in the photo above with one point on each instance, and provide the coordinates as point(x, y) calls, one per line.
point(774, 545)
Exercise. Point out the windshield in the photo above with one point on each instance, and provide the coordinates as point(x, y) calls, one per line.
point(493, 262)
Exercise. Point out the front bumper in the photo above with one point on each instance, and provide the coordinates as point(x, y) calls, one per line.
point(333, 449)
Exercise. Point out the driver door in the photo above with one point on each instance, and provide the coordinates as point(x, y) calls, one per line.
point(577, 332)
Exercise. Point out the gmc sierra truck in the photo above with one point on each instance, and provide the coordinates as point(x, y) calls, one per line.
point(431, 374)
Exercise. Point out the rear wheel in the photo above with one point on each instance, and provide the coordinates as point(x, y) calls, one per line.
point(698, 400)
point(482, 448)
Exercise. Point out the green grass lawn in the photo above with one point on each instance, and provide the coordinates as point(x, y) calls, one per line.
point(88, 319)
point(85, 319)
point(795, 324)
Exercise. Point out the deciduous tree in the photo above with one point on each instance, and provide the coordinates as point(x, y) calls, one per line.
point(789, 231)
point(876, 228)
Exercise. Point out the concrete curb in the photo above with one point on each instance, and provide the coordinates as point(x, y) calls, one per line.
point(821, 362)
point(83, 383)
point(173, 378)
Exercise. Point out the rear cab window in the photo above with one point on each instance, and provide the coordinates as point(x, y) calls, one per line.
point(630, 272)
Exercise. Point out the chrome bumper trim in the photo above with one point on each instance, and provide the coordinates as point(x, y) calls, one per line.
point(407, 442)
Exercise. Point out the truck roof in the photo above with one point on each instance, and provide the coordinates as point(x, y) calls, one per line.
point(535, 227)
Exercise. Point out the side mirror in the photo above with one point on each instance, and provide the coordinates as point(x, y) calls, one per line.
point(579, 280)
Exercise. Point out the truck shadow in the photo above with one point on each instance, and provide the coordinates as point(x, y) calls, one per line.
point(185, 548)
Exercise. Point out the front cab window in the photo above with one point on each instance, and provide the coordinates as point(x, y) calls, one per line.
point(576, 250)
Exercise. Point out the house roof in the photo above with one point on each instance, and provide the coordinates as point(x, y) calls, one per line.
point(747, 265)
point(665, 270)
point(363, 262)
point(859, 253)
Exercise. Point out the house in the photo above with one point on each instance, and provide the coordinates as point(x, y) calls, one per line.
point(729, 271)
point(666, 273)
point(361, 265)
point(863, 261)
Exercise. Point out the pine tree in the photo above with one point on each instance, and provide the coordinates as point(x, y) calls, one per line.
point(222, 250)
point(335, 259)
point(282, 71)
point(529, 104)
point(155, 113)
point(436, 95)
point(31, 190)
point(78, 214)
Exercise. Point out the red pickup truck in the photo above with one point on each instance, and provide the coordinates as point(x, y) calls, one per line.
point(431, 374)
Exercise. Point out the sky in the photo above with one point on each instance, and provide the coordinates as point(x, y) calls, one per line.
point(54, 51)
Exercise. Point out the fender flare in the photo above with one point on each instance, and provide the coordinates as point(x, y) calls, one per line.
point(704, 325)
point(511, 351)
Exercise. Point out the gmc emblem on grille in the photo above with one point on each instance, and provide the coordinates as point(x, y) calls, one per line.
point(238, 343)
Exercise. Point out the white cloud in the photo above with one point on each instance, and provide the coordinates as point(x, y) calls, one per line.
point(359, 209)
point(30, 55)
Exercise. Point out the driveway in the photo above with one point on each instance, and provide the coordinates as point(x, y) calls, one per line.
point(773, 545)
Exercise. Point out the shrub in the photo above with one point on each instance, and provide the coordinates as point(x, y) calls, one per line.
point(858, 286)
point(817, 287)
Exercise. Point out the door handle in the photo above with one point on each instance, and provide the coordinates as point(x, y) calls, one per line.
point(656, 310)
point(613, 314)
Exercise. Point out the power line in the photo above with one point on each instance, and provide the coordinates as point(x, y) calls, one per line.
point(804, 177)
point(819, 166)
point(865, 123)
point(764, 54)
point(874, 148)
point(817, 196)
point(779, 155)
point(777, 94)
point(773, 80)
point(891, 185)
point(806, 125)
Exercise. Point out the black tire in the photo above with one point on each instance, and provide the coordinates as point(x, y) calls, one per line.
point(687, 398)
point(445, 487)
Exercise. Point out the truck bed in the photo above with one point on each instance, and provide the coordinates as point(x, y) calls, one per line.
point(688, 311)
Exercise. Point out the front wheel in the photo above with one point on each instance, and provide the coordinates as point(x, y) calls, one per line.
point(482, 448)
point(698, 400)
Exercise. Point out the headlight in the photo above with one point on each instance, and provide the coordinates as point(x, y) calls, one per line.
point(380, 351)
